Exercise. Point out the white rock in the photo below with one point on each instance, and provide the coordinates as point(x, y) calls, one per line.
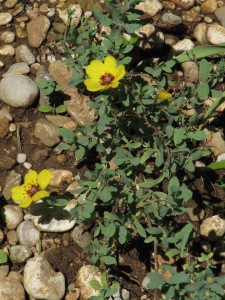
point(183, 45)
point(41, 282)
point(13, 216)
point(23, 53)
point(11, 289)
point(5, 18)
point(212, 228)
point(215, 34)
point(75, 17)
point(60, 176)
point(84, 276)
point(21, 158)
point(55, 225)
point(27, 165)
point(200, 33)
point(7, 50)
point(19, 254)
point(23, 93)
point(150, 7)
point(17, 69)
point(221, 157)
point(190, 69)
point(28, 234)
point(8, 37)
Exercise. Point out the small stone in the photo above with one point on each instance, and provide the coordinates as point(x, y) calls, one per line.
point(150, 7)
point(4, 128)
point(17, 69)
point(215, 34)
point(5, 18)
point(206, 246)
point(215, 142)
point(60, 176)
point(41, 282)
point(195, 212)
point(200, 33)
point(47, 132)
point(37, 30)
point(80, 237)
point(212, 228)
point(12, 289)
point(28, 234)
point(13, 179)
point(4, 270)
point(13, 216)
point(191, 16)
point(171, 18)
point(186, 4)
point(10, 3)
point(84, 275)
point(23, 54)
point(19, 254)
point(75, 16)
point(209, 7)
point(12, 237)
point(21, 158)
point(8, 37)
point(221, 157)
point(190, 69)
point(183, 45)
point(220, 14)
point(58, 120)
point(6, 162)
point(27, 165)
point(7, 50)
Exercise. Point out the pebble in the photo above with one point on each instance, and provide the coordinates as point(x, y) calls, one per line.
point(12, 289)
point(5, 18)
point(47, 132)
point(200, 32)
point(80, 237)
point(209, 7)
point(19, 254)
point(24, 91)
point(4, 270)
point(8, 37)
point(212, 228)
point(41, 281)
point(215, 34)
point(190, 69)
point(37, 30)
point(55, 225)
point(4, 128)
point(13, 179)
point(75, 16)
point(7, 162)
point(60, 176)
point(24, 54)
point(20, 68)
point(7, 50)
point(27, 165)
point(13, 216)
point(84, 275)
point(12, 237)
point(28, 234)
point(171, 18)
point(10, 3)
point(149, 7)
point(195, 212)
point(186, 4)
point(220, 14)
point(21, 158)
point(183, 45)
point(215, 142)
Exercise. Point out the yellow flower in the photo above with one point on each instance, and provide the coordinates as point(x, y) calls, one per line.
point(164, 95)
point(33, 188)
point(105, 75)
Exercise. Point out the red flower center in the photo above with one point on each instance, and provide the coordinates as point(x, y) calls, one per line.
point(106, 79)
point(33, 189)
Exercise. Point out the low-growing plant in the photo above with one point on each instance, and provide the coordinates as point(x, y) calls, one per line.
point(145, 146)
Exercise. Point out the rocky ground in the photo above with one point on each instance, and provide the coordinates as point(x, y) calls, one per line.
point(30, 35)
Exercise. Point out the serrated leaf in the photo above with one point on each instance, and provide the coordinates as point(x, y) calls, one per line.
point(155, 281)
point(179, 278)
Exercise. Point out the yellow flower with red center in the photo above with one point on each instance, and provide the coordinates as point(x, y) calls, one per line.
point(33, 188)
point(164, 95)
point(103, 75)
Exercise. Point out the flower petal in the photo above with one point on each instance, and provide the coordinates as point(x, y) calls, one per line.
point(25, 202)
point(93, 85)
point(31, 177)
point(44, 178)
point(114, 84)
point(110, 64)
point(39, 195)
point(96, 69)
point(18, 193)
point(120, 72)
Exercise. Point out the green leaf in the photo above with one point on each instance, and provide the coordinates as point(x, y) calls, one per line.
point(79, 153)
point(178, 278)
point(63, 147)
point(3, 257)
point(105, 195)
point(217, 289)
point(68, 135)
point(149, 183)
point(146, 155)
point(139, 227)
point(172, 252)
point(122, 235)
point(205, 68)
point(195, 286)
point(95, 284)
point(108, 260)
point(198, 135)
point(217, 165)
point(179, 135)
point(60, 109)
point(155, 281)
point(203, 91)
point(214, 106)
point(45, 108)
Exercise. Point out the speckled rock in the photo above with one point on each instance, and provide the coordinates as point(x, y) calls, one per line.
point(149, 7)
point(190, 69)
point(200, 32)
point(47, 132)
point(75, 16)
point(184, 3)
point(19, 254)
point(84, 275)
point(60, 176)
point(13, 216)
point(209, 7)
point(213, 228)
point(12, 180)
point(7, 50)
point(5, 18)
point(183, 45)
point(11, 289)
point(41, 282)
point(215, 34)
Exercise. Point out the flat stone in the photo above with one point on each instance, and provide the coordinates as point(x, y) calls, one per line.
point(186, 4)
point(12, 289)
point(13, 179)
point(21, 68)
point(37, 30)
point(47, 132)
point(5, 18)
point(4, 128)
point(24, 54)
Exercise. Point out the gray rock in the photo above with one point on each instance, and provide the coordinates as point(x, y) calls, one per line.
point(19, 254)
point(81, 238)
point(171, 19)
point(220, 14)
point(13, 215)
point(12, 180)
point(23, 93)
point(23, 54)
point(12, 289)
point(41, 282)
point(17, 69)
